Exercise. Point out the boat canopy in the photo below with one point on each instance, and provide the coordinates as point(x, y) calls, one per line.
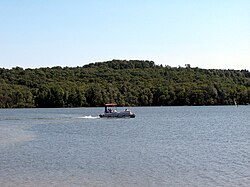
point(110, 104)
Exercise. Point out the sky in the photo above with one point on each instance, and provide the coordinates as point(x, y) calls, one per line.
point(211, 34)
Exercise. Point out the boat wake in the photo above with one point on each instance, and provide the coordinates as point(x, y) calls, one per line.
point(89, 117)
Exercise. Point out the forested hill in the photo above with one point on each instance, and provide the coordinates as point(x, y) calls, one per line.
point(134, 83)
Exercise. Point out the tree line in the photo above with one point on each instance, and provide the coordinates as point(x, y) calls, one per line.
point(133, 83)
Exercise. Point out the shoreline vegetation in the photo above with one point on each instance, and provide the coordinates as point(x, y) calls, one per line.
point(127, 83)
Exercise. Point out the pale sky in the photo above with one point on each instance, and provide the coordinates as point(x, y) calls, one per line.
point(204, 33)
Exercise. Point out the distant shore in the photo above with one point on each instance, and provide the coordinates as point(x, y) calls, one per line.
point(127, 83)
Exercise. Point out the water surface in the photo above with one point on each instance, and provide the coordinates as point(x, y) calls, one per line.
point(162, 146)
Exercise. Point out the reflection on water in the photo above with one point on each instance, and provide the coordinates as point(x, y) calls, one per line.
point(162, 146)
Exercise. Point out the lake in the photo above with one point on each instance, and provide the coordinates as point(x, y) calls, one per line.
point(163, 146)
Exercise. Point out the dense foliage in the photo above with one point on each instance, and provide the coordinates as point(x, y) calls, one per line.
point(134, 82)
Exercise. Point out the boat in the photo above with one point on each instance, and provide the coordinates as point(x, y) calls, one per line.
point(111, 112)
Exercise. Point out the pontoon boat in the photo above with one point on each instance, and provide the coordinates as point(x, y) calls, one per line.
point(110, 112)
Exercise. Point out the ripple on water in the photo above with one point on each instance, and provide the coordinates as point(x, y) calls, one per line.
point(14, 134)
